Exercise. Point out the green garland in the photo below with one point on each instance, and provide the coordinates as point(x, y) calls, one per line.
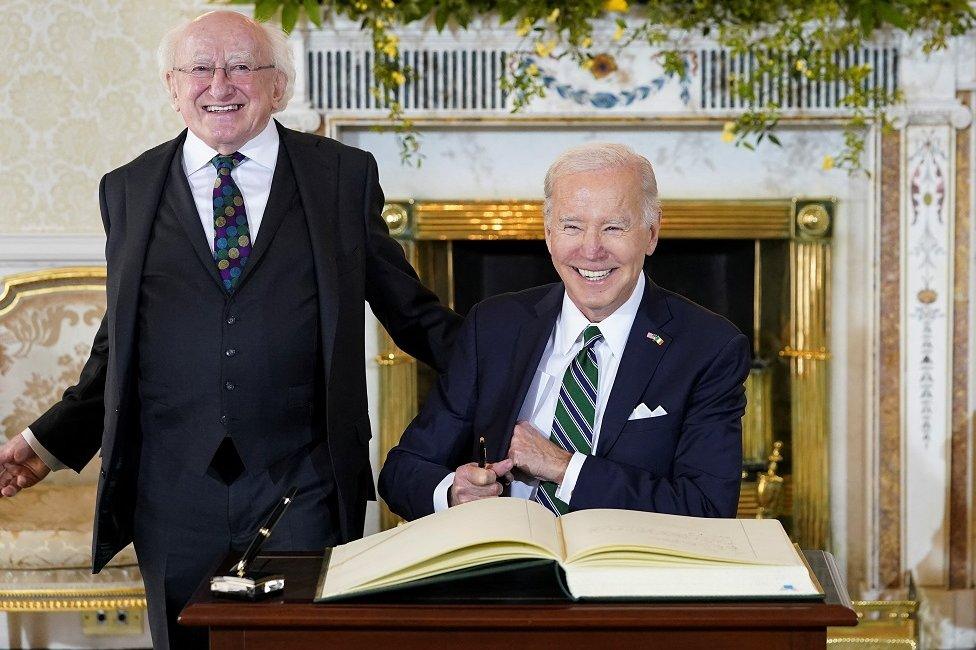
point(809, 31)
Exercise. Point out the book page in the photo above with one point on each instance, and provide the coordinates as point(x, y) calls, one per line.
point(593, 535)
point(486, 531)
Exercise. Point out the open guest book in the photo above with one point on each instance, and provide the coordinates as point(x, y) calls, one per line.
point(598, 553)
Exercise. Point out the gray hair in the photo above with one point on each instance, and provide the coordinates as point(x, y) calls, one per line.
point(596, 156)
point(281, 56)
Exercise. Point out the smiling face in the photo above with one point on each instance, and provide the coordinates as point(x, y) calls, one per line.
point(225, 114)
point(597, 238)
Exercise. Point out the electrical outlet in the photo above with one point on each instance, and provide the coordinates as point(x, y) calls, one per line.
point(100, 622)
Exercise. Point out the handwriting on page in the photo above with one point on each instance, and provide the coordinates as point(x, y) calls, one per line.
point(685, 541)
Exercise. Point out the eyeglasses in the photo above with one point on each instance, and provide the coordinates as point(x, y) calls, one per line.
point(235, 72)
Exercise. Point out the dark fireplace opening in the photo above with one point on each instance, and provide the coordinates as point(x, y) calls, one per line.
point(717, 274)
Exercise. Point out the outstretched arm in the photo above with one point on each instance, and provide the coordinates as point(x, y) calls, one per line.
point(410, 312)
point(71, 430)
point(20, 466)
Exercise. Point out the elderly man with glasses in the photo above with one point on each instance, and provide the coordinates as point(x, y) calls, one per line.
point(230, 364)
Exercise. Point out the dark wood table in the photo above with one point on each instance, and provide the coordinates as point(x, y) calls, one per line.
point(491, 616)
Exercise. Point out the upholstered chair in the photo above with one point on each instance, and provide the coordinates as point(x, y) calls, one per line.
point(47, 322)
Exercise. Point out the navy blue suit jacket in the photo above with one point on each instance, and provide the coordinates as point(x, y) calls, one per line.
point(687, 462)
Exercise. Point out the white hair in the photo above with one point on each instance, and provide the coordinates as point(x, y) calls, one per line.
point(595, 156)
point(277, 42)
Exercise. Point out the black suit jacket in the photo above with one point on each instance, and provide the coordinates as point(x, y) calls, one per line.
point(355, 261)
point(687, 462)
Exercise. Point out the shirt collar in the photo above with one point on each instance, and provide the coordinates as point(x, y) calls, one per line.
point(615, 327)
point(262, 149)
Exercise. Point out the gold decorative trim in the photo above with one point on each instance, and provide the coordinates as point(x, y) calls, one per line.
point(903, 608)
point(393, 358)
point(810, 355)
point(396, 218)
point(749, 506)
point(75, 600)
point(683, 219)
point(881, 624)
point(809, 395)
point(813, 220)
point(19, 285)
point(757, 422)
point(478, 220)
point(871, 643)
point(398, 393)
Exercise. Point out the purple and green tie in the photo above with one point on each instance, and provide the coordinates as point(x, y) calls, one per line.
point(232, 238)
point(572, 428)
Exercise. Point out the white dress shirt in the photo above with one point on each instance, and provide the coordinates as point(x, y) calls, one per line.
point(539, 407)
point(253, 177)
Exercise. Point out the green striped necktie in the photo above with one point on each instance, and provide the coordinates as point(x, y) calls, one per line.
point(572, 428)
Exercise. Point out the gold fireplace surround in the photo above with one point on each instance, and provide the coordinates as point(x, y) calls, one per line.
point(800, 228)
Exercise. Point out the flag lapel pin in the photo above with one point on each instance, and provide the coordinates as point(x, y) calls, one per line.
point(654, 337)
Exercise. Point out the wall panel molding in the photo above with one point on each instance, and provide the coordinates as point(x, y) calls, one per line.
point(34, 251)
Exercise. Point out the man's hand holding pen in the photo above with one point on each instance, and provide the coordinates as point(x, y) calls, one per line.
point(481, 480)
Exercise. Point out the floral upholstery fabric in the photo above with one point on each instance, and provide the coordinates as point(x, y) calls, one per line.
point(46, 334)
point(50, 527)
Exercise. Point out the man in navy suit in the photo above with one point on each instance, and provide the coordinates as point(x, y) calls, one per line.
point(600, 391)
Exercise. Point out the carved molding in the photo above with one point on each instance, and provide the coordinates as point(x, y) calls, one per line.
point(938, 113)
point(300, 116)
point(52, 249)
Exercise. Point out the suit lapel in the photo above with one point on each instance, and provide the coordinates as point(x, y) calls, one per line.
point(144, 182)
point(316, 170)
point(529, 346)
point(637, 366)
point(279, 201)
point(189, 218)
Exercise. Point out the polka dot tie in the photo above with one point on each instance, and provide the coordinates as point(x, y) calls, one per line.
point(232, 238)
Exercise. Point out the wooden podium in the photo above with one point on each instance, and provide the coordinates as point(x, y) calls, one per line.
point(530, 615)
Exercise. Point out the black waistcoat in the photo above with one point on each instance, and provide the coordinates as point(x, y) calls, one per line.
point(213, 364)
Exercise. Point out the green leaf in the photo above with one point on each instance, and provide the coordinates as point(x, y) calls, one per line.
point(774, 140)
point(440, 18)
point(892, 16)
point(314, 12)
point(289, 16)
point(265, 9)
point(507, 11)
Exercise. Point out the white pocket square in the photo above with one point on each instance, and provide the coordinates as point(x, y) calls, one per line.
point(642, 412)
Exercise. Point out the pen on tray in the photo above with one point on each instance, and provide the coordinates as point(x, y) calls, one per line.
point(264, 532)
point(482, 453)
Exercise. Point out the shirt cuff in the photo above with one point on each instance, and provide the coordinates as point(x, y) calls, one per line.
point(46, 457)
point(565, 490)
point(440, 493)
